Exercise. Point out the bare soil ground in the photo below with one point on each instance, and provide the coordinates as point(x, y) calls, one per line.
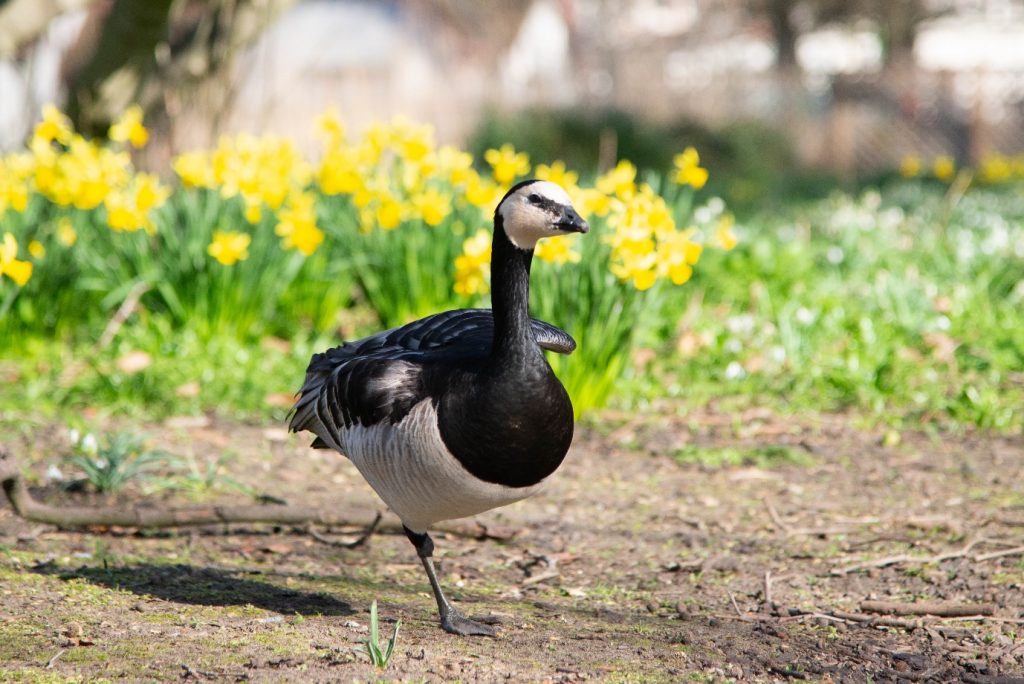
point(631, 567)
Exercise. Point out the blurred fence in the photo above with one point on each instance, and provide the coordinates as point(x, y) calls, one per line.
point(850, 123)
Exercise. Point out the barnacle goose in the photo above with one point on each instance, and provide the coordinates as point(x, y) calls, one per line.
point(459, 412)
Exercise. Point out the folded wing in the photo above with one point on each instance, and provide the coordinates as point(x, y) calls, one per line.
point(377, 378)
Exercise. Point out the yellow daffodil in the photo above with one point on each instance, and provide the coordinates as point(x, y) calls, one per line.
point(995, 168)
point(688, 169)
point(297, 224)
point(341, 171)
point(16, 172)
point(10, 266)
point(129, 128)
point(455, 164)
point(557, 250)
point(330, 128)
point(229, 247)
point(620, 181)
point(414, 141)
point(590, 202)
point(55, 126)
point(724, 235)
point(194, 169)
point(944, 167)
point(253, 210)
point(910, 166)
point(66, 234)
point(557, 173)
point(676, 255)
point(482, 192)
point(36, 249)
point(472, 267)
point(433, 205)
point(389, 212)
point(128, 209)
point(507, 164)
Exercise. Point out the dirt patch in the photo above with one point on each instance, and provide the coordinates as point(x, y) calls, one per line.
point(639, 563)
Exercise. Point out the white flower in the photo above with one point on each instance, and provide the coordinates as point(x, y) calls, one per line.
point(777, 354)
point(835, 255)
point(89, 444)
point(53, 474)
point(804, 316)
point(733, 346)
point(740, 325)
point(942, 322)
point(74, 436)
point(734, 371)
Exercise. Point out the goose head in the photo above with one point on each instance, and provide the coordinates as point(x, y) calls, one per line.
point(536, 209)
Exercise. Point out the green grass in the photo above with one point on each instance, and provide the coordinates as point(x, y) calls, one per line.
point(906, 307)
point(760, 456)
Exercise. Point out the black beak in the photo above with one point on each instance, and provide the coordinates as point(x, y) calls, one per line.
point(571, 222)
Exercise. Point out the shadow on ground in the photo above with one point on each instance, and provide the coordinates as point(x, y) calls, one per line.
point(203, 586)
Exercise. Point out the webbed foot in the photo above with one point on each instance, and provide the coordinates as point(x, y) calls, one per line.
point(454, 623)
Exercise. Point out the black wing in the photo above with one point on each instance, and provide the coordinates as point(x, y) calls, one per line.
point(377, 378)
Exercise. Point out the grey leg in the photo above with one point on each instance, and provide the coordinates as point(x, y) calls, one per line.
point(451, 620)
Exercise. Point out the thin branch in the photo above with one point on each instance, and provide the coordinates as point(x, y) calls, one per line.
point(51, 661)
point(121, 315)
point(359, 541)
point(735, 606)
point(145, 516)
point(767, 595)
point(774, 515)
point(876, 620)
point(937, 608)
point(931, 560)
point(878, 563)
point(1015, 551)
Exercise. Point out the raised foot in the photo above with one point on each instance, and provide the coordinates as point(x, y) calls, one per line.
point(454, 623)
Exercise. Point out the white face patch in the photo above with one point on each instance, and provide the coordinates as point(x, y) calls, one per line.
point(525, 221)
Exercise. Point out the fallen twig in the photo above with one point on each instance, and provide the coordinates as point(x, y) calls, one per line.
point(878, 563)
point(122, 314)
point(1015, 551)
point(767, 595)
point(983, 618)
point(877, 620)
point(774, 515)
point(144, 516)
point(927, 560)
point(786, 672)
point(359, 541)
point(937, 608)
point(51, 661)
point(735, 606)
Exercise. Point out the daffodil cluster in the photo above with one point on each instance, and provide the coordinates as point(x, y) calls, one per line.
point(268, 174)
point(993, 169)
point(74, 174)
point(645, 242)
point(394, 174)
point(638, 225)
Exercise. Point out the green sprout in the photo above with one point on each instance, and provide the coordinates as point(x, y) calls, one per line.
point(378, 656)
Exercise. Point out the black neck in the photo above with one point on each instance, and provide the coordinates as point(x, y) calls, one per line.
point(514, 340)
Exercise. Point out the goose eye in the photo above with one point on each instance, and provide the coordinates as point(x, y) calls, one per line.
point(534, 198)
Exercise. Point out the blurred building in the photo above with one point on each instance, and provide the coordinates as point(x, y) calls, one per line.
point(856, 84)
